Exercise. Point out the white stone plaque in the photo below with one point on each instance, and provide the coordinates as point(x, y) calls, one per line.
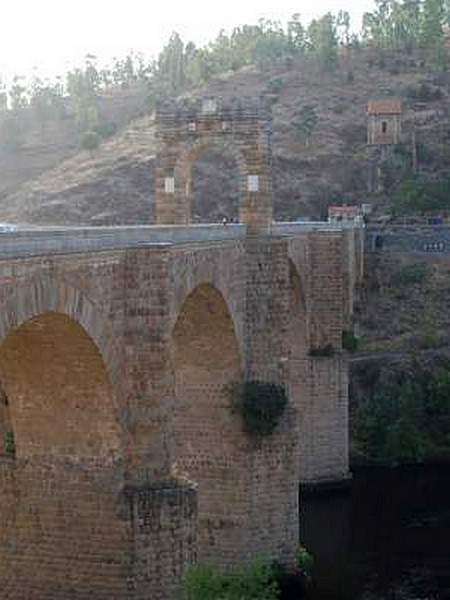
point(209, 106)
point(169, 185)
point(253, 183)
point(192, 126)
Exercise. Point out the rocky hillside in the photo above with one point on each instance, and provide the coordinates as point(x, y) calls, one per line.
point(115, 184)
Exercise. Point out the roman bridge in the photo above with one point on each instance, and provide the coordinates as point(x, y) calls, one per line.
point(117, 349)
point(122, 458)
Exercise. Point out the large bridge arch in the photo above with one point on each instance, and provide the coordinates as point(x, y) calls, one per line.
point(59, 530)
point(209, 446)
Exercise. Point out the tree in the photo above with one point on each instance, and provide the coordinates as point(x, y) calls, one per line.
point(432, 31)
point(18, 93)
point(323, 42)
point(296, 34)
point(305, 122)
point(343, 27)
point(83, 86)
point(90, 141)
point(171, 68)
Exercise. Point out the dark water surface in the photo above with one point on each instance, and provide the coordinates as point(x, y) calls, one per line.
point(388, 536)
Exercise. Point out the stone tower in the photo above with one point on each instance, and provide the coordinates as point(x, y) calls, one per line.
point(384, 122)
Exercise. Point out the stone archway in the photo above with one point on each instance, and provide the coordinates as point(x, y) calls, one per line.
point(243, 125)
point(210, 448)
point(201, 154)
point(60, 536)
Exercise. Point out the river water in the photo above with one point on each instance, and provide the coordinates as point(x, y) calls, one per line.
point(387, 537)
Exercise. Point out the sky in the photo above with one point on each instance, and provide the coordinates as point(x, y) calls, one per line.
point(54, 35)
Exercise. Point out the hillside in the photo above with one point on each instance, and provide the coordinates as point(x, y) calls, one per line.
point(115, 184)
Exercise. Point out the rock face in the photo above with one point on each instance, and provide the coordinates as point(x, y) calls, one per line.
point(115, 184)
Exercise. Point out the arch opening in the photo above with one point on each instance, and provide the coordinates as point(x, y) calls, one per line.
point(212, 177)
point(215, 184)
point(209, 442)
point(59, 396)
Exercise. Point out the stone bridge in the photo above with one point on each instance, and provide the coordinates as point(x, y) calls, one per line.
point(115, 364)
point(122, 459)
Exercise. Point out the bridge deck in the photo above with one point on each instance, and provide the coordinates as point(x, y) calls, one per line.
point(38, 241)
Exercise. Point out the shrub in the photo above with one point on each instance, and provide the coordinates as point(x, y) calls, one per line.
point(275, 85)
point(406, 419)
point(349, 341)
point(410, 274)
point(106, 130)
point(422, 92)
point(253, 582)
point(10, 444)
point(90, 141)
point(261, 405)
point(305, 560)
point(324, 351)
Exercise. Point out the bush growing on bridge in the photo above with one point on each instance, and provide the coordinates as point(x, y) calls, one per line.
point(305, 560)
point(256, 581)
point(261, 405)
point(349, 341)
point(10, 444)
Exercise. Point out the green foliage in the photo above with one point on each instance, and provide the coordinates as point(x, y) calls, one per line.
point(106, 130)
point(253, 582)
point(305, 121)
point(432, 34)
point(18, 93)
point(304, 560)
point(411, 274)
point(322, 35)
point(419, 195)
point(408, 25)
point(406, 419)
point(422, 92)
point(261, 406)
point(90, 140)
point(275, 85)
point(10, 444)
point(349, 341)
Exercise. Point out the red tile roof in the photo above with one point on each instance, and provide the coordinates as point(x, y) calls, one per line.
point(391, 106)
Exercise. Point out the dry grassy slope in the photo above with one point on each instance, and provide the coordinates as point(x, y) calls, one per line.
point(398, 316)
point(115, 185)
